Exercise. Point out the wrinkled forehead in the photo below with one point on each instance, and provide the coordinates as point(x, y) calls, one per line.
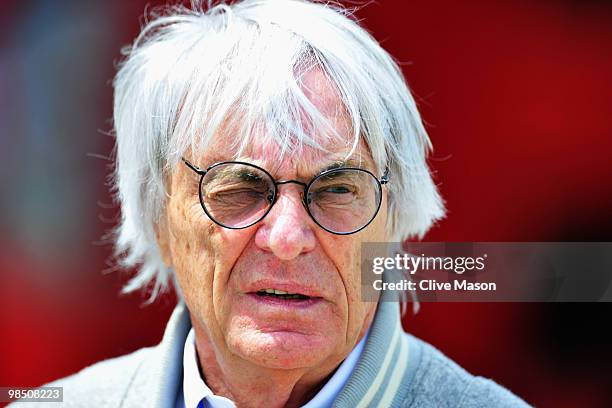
point(302, 160)
point(303, 157)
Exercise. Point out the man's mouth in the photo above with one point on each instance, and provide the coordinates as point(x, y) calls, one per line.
point(281, 294)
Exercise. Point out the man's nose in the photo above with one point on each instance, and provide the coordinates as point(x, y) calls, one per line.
point(287, 230)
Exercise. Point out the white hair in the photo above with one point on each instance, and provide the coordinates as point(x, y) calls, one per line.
point(192, 70)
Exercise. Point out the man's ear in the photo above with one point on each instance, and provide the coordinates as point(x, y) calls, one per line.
point(163, 240)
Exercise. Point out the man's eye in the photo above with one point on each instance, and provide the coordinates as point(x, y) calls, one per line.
point(337, 190)
point(333, 195)
point(236, 194)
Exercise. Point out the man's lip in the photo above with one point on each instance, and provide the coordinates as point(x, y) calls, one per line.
point(289, 287)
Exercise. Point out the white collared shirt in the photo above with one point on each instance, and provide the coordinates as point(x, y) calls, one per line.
point(196, 394)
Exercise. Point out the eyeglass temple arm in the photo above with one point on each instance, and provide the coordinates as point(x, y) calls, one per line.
point(193, 167)
point(385, 177)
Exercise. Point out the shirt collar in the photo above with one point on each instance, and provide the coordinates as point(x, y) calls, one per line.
point(326, 395)
point(195, 389)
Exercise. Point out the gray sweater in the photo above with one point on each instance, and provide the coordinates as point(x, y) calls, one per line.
point(395, 370)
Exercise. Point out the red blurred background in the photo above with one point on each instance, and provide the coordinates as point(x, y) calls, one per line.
point(516, 97)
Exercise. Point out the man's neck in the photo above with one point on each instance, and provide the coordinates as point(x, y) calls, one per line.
point(254, 385)
point(250, 385)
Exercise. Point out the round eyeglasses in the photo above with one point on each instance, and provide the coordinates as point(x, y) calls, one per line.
point(237, 195)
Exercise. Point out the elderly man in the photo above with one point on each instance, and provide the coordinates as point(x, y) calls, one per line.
point(258, 146)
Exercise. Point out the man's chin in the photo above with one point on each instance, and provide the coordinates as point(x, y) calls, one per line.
point(282, 349)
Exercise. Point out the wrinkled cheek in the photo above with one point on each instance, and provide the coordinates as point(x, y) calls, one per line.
point(194, 274)
point(194, 266)
point(211, 268)
point(357, 308)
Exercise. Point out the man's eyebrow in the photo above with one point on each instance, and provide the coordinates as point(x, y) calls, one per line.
point(341, 163)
